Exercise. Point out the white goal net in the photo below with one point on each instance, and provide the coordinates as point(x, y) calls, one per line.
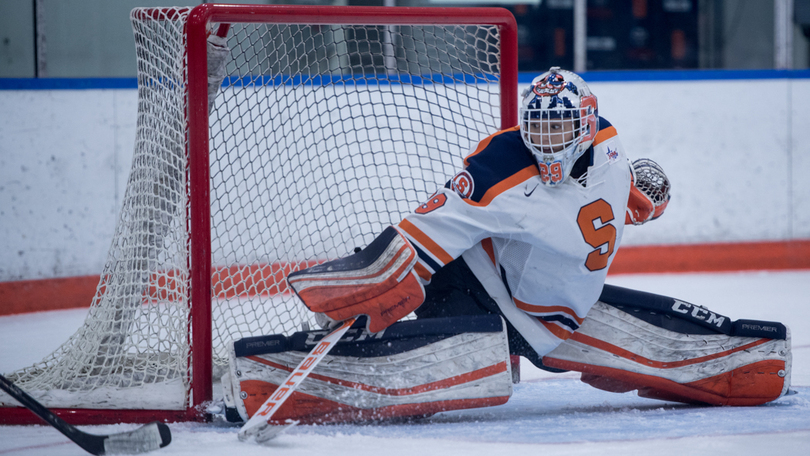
point(321, 135)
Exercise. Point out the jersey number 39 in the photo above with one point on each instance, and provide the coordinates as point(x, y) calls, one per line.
point(597, 237)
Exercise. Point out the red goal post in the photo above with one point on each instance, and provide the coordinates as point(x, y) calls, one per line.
point(322, 15)
point(156, 268)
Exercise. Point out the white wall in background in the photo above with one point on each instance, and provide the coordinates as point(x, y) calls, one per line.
point(64, 162)
point(737, 152)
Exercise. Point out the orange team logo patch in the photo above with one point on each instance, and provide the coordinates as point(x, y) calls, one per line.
point(552, 84)
point(436, 201)
point(462, 184)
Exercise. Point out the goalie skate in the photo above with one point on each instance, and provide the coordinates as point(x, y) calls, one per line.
point(671, 350)
point(413, 368)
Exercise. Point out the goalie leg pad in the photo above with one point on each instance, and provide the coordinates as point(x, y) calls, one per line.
point(413, 368)
point(672, 350)
point(378, 282)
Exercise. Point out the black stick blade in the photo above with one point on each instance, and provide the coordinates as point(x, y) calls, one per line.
point(146, 438)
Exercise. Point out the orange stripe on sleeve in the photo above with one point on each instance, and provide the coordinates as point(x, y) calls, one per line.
point(428, 243)
point(487, 245)
point(504, 185)
point(604, 135)
point(548, 309)
point(485, 142)
point(558, 331)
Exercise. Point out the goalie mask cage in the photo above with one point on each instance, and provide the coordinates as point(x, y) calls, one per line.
point(332, 123)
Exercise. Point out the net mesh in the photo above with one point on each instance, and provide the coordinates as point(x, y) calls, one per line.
point(321, 136)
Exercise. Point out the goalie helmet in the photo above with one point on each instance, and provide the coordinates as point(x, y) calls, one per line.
point(558, 122)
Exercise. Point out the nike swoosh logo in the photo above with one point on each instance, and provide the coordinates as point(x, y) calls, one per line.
point(528, 194)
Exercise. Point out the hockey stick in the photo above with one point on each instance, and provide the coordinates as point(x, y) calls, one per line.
point(146, 438)
point(258, 425)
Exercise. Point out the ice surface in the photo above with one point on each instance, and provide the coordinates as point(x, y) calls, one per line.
point(547, 414)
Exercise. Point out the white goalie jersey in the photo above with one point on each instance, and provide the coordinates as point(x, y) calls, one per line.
point(541, 253)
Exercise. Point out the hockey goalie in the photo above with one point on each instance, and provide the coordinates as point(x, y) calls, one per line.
point(509, 258)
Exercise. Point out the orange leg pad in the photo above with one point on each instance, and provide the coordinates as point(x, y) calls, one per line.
point(754, 384)
point(619, 353)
